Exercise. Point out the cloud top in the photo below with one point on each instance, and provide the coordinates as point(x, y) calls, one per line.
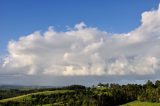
point(89, 51)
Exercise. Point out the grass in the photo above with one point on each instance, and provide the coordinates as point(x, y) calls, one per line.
point(28, 96)
point(51, 105)
point(139, 103)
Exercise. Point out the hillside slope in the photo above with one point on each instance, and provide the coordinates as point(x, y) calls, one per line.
point(139, 103)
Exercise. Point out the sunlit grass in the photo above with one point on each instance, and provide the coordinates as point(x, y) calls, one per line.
point(28, 96)
point(139, 103)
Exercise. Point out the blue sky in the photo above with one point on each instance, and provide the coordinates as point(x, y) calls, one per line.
point(108, 40)
point(22, 17)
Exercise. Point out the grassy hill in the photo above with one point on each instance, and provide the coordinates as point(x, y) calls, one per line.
point(78, 95)
point(138, 103)
point(29, 97)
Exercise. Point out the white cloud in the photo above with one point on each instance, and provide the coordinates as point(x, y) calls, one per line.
point(89, 51)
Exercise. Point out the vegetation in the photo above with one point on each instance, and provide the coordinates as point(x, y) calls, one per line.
point(78, 95)
point(139, 103)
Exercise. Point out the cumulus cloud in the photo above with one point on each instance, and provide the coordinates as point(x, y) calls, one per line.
point(88, 51)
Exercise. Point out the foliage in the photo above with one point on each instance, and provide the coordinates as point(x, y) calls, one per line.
point(78, 95)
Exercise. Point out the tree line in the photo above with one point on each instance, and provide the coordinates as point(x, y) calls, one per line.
point(101, 95)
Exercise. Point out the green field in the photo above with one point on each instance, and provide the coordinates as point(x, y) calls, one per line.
point(138, 103)
point(28, 96)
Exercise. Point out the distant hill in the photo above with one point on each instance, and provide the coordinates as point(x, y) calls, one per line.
point(24, 86)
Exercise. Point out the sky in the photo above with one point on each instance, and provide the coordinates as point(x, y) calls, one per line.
point(52, 42)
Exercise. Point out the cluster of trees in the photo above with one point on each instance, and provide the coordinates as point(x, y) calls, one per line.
point(150, 92)
point(100, 95)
